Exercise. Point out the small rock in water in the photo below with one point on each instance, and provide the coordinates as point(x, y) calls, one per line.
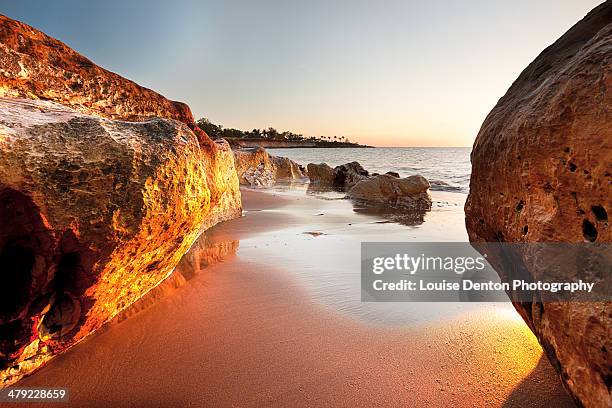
point(314, 233)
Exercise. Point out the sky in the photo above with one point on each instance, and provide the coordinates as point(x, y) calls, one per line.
point(380, 72)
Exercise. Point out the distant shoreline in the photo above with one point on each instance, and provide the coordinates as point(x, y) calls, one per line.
point(291, 144)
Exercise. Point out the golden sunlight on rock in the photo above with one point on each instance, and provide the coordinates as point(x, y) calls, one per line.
point(138, 199)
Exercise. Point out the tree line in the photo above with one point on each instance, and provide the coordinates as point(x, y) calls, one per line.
point(218, 131)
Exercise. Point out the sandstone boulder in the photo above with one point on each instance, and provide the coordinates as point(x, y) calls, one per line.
point(387, 190)
point(36, 66)
point(93, 214)
point(349, 174)
point(287, 169)
point(321, 174)
point(340, 177)
point(255, 167)
point(541, 173)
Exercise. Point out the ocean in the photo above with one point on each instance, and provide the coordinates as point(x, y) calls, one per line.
point(446, 168)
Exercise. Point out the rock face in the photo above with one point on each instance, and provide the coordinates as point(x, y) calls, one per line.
point(94, 212)
point(255, 167)
point(541, 173)
point(34, 65)
point(287, 169)
point(340, 177)
point(321, 174)
point(387, 190)
point(349, 174)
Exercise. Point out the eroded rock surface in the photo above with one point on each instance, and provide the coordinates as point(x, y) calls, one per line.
point(93, 213)
point(341, 177)
point(287, 169)
point(541, 173)
point(36, 66)
point(255, 167)
point(349, 174)
point(387, 190)
point(321, 174)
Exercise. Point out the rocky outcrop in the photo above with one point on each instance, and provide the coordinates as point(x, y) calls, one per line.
point(321, 174)
point(255, 167)
point(349, 174)
point(94, 212)
point(287, 169)
point(386, 190)
point(36, 66)
point(541, 173)
point(340, 177)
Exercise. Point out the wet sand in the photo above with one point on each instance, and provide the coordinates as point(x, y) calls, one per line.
point(264, 314)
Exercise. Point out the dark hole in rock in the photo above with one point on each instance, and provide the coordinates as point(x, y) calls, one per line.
point(566, 150)
point(607, 378)
point(600, 213)
point(26, 251)
point(152, 266)
point(74, 267)
point(525, 229)
point(589, 231)
point(572, 167)
point(548, 187)
point(63, 315)
point(13, 336)
point(68, 270)
point(16, 263)
point(25, 246)
point(520, 205)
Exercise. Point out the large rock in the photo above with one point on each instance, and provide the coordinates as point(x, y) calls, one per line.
point(321, 174)
point(287, 169)
point(387, 190)
point(541, 173)
point(34, 65)
point(255, 167)
point(341, 177)
point(93, 212)
point(349, 174)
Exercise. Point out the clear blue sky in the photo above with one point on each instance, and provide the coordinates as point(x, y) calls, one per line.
point(384, 72)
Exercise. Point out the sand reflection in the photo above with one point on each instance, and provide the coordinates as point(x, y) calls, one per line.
point(208, 250)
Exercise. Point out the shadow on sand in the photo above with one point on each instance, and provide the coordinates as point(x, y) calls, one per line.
point(534, 388)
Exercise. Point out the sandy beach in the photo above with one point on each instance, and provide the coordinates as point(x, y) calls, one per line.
point(244, 324)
